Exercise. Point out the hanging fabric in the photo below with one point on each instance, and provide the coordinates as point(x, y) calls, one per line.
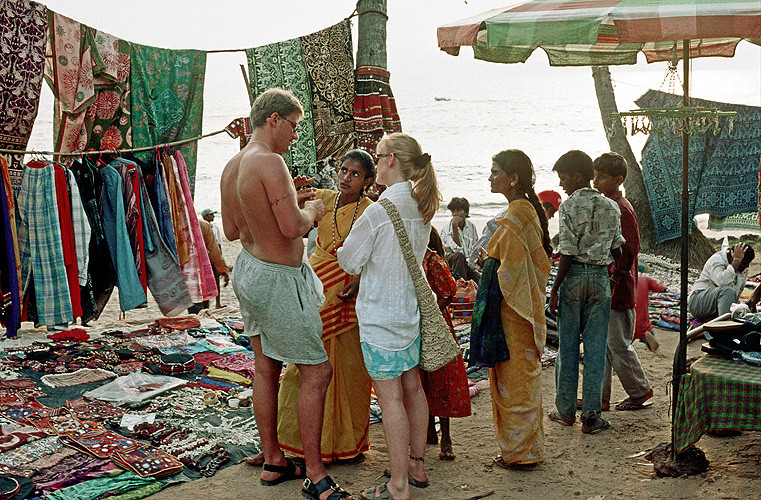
point(131, 293)
point(40, 245)
point(10, 265)
point(374, 107)
point(318, 69)
point(133, 215)
point(167, 99)
point(88, 71)
point(100, 271)
point(165, 277)
point(67, 239)
point(82, 236)
point(23, 25)
point(724, 167)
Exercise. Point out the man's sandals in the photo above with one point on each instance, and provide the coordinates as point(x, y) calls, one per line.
point(314, 490)
point(288, 472)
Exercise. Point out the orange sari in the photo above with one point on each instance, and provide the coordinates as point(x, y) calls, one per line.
point(347, 403)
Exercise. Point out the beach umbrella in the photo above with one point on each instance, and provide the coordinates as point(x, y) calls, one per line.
point(613, 32)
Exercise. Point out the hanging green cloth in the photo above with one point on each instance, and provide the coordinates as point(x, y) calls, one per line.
point(167, 99)
point(319, 69)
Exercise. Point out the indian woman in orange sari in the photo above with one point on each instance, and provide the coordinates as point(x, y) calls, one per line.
point(522, 246)
point(347, 403)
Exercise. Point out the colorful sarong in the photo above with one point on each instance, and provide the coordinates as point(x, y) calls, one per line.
point(346, 422)
point(724, 167)
point(23, 25)
point(10, 284)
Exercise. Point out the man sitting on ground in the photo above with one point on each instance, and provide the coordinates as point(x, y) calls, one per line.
point(721, 282)
point(459, 236)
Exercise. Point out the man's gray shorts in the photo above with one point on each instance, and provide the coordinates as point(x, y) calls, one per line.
point(277, 304)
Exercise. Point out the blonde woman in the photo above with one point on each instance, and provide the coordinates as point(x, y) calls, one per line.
point(387, 306)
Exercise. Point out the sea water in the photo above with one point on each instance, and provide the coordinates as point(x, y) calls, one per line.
point(464, 111)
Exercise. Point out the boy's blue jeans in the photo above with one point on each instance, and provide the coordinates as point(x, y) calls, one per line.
point(584, 313)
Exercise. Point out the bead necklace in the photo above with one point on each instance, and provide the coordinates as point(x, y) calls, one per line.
point(334, 226)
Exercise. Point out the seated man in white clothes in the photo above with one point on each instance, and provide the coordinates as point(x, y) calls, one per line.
point(721, 282)
point(459, 236)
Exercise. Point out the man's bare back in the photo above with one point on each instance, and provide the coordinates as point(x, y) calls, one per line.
point(261, 207)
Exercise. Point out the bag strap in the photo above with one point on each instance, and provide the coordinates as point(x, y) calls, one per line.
point(422, 288)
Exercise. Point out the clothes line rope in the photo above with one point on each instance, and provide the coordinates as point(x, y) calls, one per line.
point(112, 151)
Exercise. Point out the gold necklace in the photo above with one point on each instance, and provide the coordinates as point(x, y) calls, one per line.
point(264, 143)
point(334, 226)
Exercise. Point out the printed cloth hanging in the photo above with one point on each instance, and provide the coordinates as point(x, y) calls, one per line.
point(23, 25)
point(167, 99)
point(88, 71)
point(724, 168)
point(40, 245)
point(240, 128)
point(374, 107)
point(10, 264)
point(318, 68)
point(747, 220)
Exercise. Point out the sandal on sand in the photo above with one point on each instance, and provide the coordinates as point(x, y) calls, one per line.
point(557, 417)
point(314, 490)
point(594, 425)
point(500, 462)
point(447, 456)
point(288, 472)
point(413, 482)
point(382, 493)
point(629, 405)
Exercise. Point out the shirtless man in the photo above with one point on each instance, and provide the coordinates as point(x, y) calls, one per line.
point(276, 287)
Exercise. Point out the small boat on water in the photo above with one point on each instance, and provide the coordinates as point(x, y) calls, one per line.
point(441, 98)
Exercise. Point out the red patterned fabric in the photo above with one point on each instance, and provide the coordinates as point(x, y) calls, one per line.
point(374, 107)
point(447, 388)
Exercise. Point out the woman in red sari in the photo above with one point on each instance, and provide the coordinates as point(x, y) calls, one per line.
point(447, 388)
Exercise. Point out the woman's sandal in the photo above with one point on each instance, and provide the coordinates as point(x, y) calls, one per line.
point(288, 472)
point(413, 482)
point(382, 493)
point(314, 490)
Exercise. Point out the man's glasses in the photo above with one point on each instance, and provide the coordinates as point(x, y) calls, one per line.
point(294, 125)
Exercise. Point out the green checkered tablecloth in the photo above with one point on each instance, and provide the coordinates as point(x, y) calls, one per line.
point(717, 394)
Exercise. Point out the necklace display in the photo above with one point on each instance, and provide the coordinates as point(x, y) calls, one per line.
point(334, 226)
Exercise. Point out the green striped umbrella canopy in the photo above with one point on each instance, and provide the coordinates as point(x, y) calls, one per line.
point(605, 32)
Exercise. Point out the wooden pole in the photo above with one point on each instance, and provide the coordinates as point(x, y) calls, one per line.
point(680, 357)
point(371, 40)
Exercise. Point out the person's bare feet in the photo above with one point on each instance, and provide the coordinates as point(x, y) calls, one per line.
point(256, 461)
point(446, 450)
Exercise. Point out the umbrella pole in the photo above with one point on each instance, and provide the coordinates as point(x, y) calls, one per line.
point(680, 357)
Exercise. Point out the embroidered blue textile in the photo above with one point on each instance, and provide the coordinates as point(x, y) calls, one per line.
point(724, 168)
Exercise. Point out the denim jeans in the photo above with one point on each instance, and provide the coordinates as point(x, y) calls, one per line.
point(584, 313)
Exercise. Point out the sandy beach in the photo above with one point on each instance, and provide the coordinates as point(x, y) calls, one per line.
point(604, 466)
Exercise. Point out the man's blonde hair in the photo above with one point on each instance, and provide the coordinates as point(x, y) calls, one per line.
point(274, 100)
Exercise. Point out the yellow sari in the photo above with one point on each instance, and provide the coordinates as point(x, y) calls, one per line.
point(516, 383)
point(347, 403)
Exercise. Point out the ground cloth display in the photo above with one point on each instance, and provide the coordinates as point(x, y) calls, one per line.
point(717, 394)
point(724, 167)
point(65, 442)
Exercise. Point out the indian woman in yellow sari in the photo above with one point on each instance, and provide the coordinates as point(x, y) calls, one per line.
point(347, 402)
point(522, 246)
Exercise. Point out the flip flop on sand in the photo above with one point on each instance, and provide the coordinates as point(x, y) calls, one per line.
point(629, 405)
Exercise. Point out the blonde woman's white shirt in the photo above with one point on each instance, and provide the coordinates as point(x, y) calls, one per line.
point(387, 306)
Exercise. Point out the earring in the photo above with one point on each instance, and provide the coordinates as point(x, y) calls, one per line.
point(512, 184)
